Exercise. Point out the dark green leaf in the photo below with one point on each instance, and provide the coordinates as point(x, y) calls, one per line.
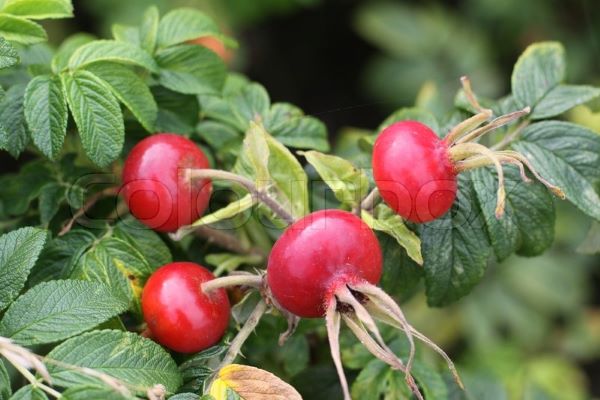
point(18, 252)
point(18, 190)
point(51, 195)
point(562, 98)
point(124, 355)
point(528, 222)
point(38, 9)
point(455, 248)
point(29, 393)
point(97, 115)
point(60, 61)
point(130, 89)
point(86, 392)
point(288, 124)
point(185, 396)
point(184, 24)
point(5, 390)
point(145, 240)
point(538, 70)
point(111, 50)
point(415, 114)
point(21, 30)
point(8, 54)
point(46, 114)
point(56, 310)
point(567, 155)
point(177, 113)
point(401, 275)
point(13, 127)
point(191, 69)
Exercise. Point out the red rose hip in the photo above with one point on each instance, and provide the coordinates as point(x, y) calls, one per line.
point(179, 315)
point(156, 184)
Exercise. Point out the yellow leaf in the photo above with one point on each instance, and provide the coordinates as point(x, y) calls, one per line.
point(251, 383)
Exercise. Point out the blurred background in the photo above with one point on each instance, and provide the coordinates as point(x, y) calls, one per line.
point(531, 330)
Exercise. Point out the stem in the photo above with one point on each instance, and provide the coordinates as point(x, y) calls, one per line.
point(466, 84)
point(495, 124)
point(232, 280)
point(111, 191)
point(30, 377)
point(368, 202)
point(261, 195)
point(243, 334)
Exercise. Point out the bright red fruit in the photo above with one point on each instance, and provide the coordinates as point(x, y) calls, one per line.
point(214, 45)
point(316, 255)
point(413, 171)
point(155, 185)
point(179, 314)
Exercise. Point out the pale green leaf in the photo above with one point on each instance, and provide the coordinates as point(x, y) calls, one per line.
point(111, 50)
point(149, 29)
point(21, 30)
point(38, 9)
point(60, 61)
point(127, 34)
point(8, 54)
point(56, 310)
point(18, 252)
point(29, 393)
point(97, 115)
point(46, 114)
point(251, 104)
point(229, 211)
point(184, 24)
point(87, 392)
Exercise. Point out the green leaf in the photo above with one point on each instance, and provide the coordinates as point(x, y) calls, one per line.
point(591, 243)
point(21, 30)
point(8, 54)
point(127, 34)
point(149, 29)
point(184, 24)
point(191, 69)
point(567, 155)
point(51, 195)
point(288, 124)
point(229, 211)
point(39, 9)
point(86, 392)
point(60, 61)
point(185, 396)
point(18, 190)
point(562, 98)
point(348, 183)
point(5, 389)
point(56, 310)
point(528, 222)
point(124, 355)
point(268, 162)
point(455, 248)
point(388, 221)
point(538, 70)
point(118, 264)
point(177, 113)
point(18, 252)
point(401, 275)
point(130, 89)
point(60, 256)
point(97, 115)
point(111, 50)
point(14, 136)
point(411, 113)
point(251, 104)
point(29, 393)
point(227, 262)
point(46, 114)
point(145, 240)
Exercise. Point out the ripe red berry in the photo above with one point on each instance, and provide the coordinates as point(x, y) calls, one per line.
point(180, 316)
point(216, 46)
point(316, 255)
point(155, 184)
point(413, 171)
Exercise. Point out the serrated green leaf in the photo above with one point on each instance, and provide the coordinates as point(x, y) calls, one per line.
point(274, 165)
point(38, 9)
point(527, 225)
point(177, 112)
point(97, 115)
point(114, 51)
point(401, 275)
point(562, 98)
point(229, 211)
point(8, 54)
point(14, 135)
point(60, 61)
point(18, 252)
point(145, 240)
point(414, 114)
point(86, 392)
point(124, 355)
point(567, 155)
point(185, 396)
point(455, 248)
point(127, 34)
point(349, 184)
point(288, 124)
point(60, 256)
point(29, 393)
point(5, 389)
point(118, 264)
point(538, 70)
point(251, 104)
point(386, 220)
point(21, 30)
point(184, 24)
point(130, 89)
point(191, 69)
point(46, 114)
point(149, 29)
point(57, 310)
point(51, 195)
